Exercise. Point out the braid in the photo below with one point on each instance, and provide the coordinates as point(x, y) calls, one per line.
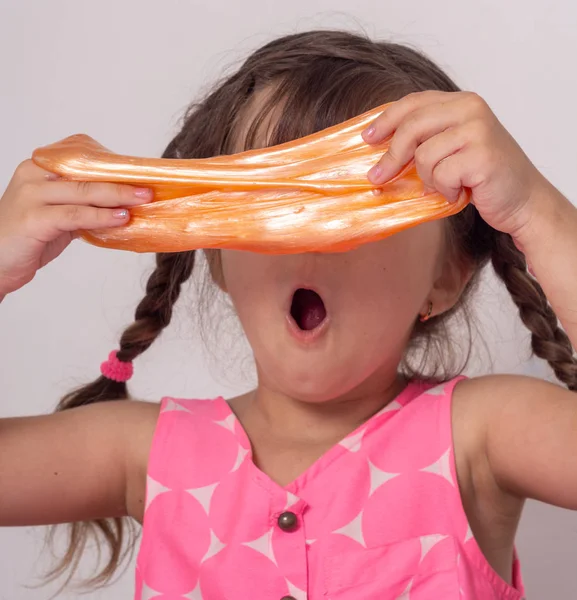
point(154, 312)
point(152, 315)
point(548, 340)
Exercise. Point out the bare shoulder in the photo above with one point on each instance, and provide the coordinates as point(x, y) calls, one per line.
point(131, 423)
point(515, 438)
point(78, 464)
point(142, 410)
point(514, 427)
point(484, 405)
point(128, 425)
point(140, 418)
point(478, 399)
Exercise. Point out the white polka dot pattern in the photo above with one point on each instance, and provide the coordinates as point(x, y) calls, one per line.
point(379, 516)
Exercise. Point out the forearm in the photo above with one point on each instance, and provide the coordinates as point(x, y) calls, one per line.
point(549, 241)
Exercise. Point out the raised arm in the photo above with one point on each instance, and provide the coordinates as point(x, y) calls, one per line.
point(81, 463)
point(549, 241)
point(523, 430)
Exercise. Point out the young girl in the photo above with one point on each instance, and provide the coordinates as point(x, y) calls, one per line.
point(347, 473)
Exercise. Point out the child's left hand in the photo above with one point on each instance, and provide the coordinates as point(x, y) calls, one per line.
point(458, 142)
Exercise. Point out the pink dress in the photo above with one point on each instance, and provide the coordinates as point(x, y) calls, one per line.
point(378, 517)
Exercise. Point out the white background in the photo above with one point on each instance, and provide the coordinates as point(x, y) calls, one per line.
point(122, 71)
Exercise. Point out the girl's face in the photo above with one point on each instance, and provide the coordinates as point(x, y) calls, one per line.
point(349, 331)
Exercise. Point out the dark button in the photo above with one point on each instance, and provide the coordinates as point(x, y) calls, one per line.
point(288, 598)
point(287, 521)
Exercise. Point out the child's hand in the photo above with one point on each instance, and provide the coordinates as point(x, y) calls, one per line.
point(40, 215)
point(456, 142)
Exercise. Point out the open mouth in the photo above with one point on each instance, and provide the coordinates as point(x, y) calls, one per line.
point(308, 309)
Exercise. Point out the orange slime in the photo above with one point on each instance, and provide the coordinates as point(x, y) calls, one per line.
point(308, 195)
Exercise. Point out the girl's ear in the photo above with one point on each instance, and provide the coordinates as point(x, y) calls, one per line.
point(447, 289)
point(214, 259)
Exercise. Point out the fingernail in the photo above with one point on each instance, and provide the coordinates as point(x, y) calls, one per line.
point(144, 193)
point(52, 177)
point(121, 213)
point(376, 174)
point(370, 132)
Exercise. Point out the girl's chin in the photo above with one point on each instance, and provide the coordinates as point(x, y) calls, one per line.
point(312, 387)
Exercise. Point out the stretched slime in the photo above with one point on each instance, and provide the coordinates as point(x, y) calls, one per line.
point(307, 195)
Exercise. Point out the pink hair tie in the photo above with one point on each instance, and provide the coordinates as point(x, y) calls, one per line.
point(115, 369)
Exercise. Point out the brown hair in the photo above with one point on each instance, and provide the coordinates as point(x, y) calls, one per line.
point(322, 78)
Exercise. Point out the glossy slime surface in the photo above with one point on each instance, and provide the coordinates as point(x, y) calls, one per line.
point(308, 195)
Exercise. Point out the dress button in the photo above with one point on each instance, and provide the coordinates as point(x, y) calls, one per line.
point(288, 598)
point(287, 521)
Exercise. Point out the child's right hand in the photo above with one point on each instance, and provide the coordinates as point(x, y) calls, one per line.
point(40, 214)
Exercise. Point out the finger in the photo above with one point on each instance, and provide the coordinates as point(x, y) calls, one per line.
point(29, 171)
point(104, 195)
point(48, 222)
point(447, 176)
point(431, 152)
point(419, 126)
point(390, 119)
point(465, 104)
